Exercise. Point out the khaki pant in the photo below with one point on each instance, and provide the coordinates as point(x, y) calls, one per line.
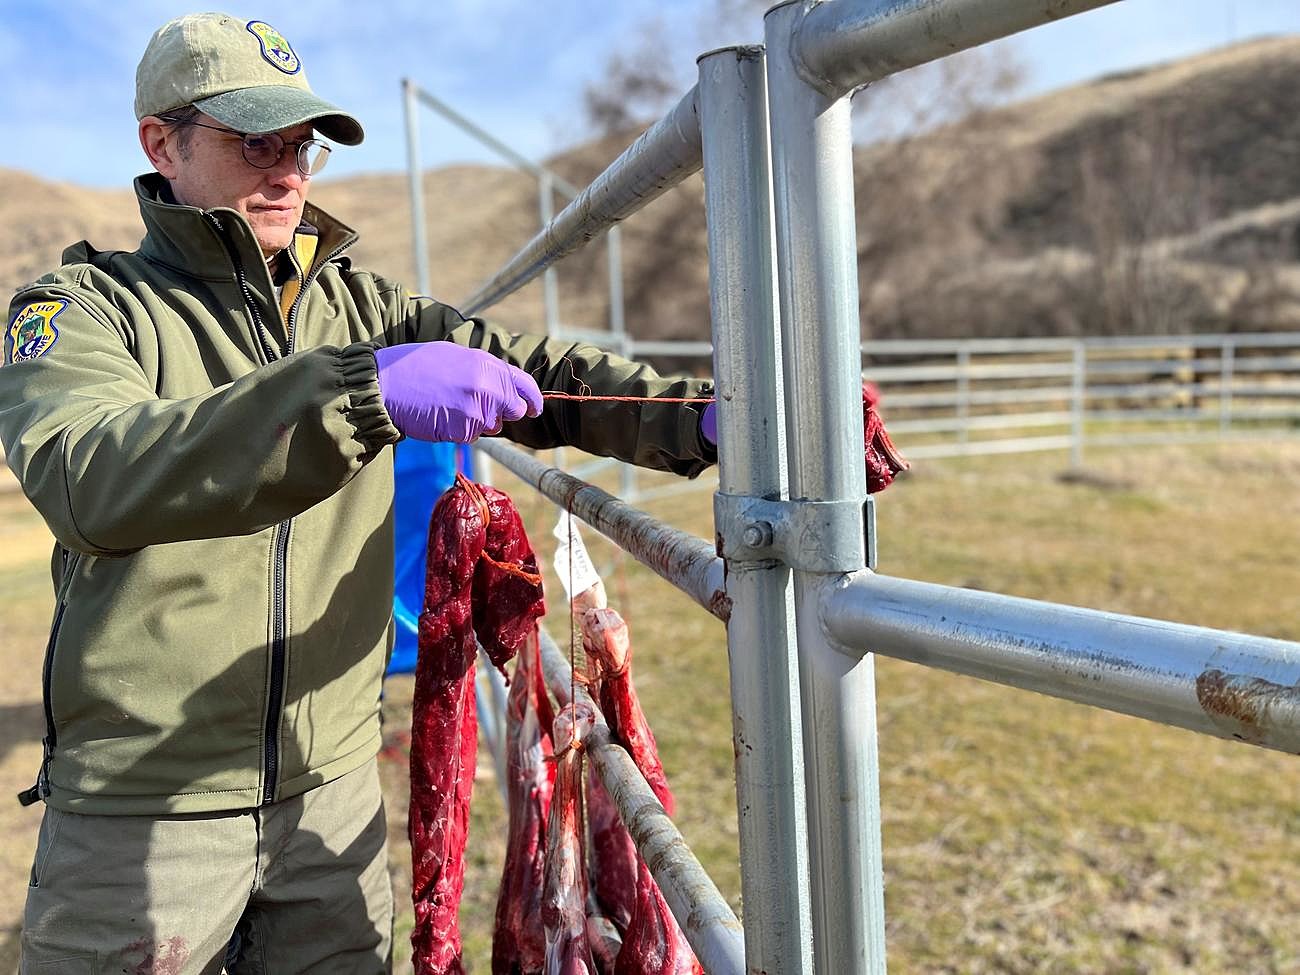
point(302, 884)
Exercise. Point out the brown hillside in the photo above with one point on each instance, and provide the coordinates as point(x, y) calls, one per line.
point(1159, 200)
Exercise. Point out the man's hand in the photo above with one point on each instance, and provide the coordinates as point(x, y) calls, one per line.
point(445, 392)
point(709, 424)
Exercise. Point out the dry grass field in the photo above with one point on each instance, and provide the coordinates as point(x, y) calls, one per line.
point(1022, 834)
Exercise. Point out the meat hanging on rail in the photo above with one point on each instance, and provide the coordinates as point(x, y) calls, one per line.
point(519, 939)
point(881, 456)
point(653, 943)
point(564, 901)
point(481, 580)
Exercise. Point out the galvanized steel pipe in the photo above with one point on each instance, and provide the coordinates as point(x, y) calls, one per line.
point(415, 185)
point(689, 563)
point(663, 156)
point(1229, 685)
point(709, 923)
point(816, 238)
point(840, 46)
point(766, 721)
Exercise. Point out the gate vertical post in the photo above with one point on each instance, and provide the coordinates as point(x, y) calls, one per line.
point(761, 631)
point(415, 181)
point(1227, 357)
point(963, 393)
point(1078, 400)
point(618, 332)
point(550, 277)
point(818, 272)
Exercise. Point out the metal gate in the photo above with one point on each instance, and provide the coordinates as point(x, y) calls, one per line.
point(792, 572)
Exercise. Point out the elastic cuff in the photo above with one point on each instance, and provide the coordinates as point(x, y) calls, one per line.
point(372, 426)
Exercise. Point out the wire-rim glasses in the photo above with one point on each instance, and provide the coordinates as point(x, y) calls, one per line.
point(263, 150)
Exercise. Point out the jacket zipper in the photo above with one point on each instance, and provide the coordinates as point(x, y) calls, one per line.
point(279, 562)
point(275, 701)
point(259, 327)
point(42, 787)
point(280, 545)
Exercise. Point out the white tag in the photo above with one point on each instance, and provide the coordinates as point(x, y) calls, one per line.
point(574, 567)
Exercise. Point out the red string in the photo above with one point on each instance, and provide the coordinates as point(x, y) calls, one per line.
point(584, 398)
point(584, 394)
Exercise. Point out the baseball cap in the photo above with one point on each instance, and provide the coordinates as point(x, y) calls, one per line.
point(242, 73)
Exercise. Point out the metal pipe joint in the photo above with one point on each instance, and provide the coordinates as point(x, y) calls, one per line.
point(811, 536)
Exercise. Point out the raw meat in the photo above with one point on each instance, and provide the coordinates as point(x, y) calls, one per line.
point(564, 903)
point(519, 939)
point(653, 944)
point(609, 649)
point(481, 579)
point(613, 857)
point(882, 457)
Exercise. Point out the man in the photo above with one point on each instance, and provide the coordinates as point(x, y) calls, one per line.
point(202, 423)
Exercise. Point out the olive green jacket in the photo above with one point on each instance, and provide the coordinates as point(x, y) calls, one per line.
point(213, 470)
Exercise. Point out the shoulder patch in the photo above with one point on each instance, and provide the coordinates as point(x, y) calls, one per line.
point(275, 48)
point(33, 333)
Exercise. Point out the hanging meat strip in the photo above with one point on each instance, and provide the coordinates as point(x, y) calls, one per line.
point(653, 943)
point(613, 857)
point(606, 642)
point(564, 903)
point(882, 458)
point(519, 939)
point(481, 579)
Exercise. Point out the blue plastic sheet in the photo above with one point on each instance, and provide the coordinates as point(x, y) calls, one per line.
point(422, 471)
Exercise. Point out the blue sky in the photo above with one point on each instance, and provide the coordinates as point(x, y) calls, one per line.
point(515, 66)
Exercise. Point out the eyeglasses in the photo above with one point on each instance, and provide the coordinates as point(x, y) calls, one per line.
point(263, 150)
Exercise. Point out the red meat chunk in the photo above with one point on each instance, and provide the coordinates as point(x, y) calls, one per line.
point(481, 579)
point(653, 944)
point(519, 940)
point(882, 457)
point(564, 901)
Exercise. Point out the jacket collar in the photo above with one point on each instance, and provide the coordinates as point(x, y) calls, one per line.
point(185, 238)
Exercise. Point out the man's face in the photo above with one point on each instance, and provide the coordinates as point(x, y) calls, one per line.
point(211, 172)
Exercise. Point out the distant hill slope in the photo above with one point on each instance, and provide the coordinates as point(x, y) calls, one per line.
point(1164, 199)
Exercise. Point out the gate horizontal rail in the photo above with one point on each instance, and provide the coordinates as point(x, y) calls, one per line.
point(1229, 685)
point(662, 157)
point(689, 563)
point(709, 923)
point(1215, 682)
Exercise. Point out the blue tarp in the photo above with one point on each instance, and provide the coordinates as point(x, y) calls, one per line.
point(422, 471)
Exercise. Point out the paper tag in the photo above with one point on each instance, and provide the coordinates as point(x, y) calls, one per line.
point(572, 565)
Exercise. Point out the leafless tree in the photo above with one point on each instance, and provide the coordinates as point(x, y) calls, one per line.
point(1138, 190)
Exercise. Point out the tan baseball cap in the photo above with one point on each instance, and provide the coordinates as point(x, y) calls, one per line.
point(241, 72)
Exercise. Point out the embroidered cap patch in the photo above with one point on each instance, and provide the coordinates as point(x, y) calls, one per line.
point(274, 47)
point(33, 332)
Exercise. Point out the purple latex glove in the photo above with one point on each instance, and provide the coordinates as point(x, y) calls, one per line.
point(709, 424)
point(445, 392)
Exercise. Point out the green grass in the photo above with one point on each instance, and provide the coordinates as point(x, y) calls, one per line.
point(1022, 834)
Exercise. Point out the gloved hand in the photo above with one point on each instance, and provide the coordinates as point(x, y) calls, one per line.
point(445, 392)
point(709, 424)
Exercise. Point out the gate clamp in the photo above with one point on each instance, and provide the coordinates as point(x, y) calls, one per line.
point(811, 536)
